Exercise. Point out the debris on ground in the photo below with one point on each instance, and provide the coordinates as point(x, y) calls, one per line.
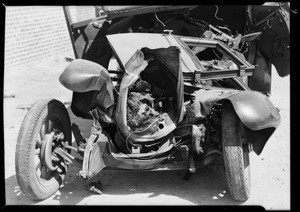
point(24, 107)
point(96, 187)
point(9, 96)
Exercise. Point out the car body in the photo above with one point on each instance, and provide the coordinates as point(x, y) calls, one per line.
point(272, 20)
point(133, 16)
point(159, 99)
point(262, 118)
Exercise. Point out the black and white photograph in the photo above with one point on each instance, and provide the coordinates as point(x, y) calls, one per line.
point(147, 105)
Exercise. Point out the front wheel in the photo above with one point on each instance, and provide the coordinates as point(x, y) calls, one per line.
point(39, 170)
point(236, 154)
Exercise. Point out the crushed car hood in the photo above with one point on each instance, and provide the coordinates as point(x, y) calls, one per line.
point(130, 50)
point(125, 45)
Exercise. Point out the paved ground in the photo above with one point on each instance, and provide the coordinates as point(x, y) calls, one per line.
point(270, 172)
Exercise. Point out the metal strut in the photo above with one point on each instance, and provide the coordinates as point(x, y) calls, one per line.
point(192, 168)
point(95, 131)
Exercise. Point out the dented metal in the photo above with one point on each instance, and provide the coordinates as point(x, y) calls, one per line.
point(161, 92)
point(147, 135)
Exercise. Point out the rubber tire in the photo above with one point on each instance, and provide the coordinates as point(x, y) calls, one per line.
point(236, 154)
point(34, 187)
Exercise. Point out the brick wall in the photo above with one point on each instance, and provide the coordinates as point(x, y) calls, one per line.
point(35, 33)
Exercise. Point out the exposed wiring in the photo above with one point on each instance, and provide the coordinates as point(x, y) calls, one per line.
point(287, 6)
point(176, 144)
point(152, 156)
point(294, 11)
point(240, 49)
point(268, 23)
point(216, 54)
point(224, 28)
point(187, 12)
point(221, 19)
point(154, 122)
point(159, 20)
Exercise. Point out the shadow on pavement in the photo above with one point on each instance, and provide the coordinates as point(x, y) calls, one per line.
point(205, 187)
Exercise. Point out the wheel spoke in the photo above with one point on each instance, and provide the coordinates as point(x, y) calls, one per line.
point(38, 171)
point(38, 165)
point(46, 126)
point(43, 131)
point(44, 172)
point(37, 161)
point(39, 140)
point(37, 151)
point(50, 125)
point(54, 158)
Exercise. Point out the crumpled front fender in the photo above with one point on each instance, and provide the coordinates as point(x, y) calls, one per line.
point(254, 109)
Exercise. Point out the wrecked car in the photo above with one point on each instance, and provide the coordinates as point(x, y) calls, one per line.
point(158, 100)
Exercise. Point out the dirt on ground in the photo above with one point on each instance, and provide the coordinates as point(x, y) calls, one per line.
point(270, 171)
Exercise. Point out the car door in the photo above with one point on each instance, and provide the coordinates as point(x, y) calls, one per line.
point(273, 46)
point(87, 32)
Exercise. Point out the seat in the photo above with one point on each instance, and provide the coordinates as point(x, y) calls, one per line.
point(83, 75)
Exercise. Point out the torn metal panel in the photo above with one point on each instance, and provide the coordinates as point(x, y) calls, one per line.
point(164, 67)
point(253, 115)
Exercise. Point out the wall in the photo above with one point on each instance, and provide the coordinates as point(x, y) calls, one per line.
point(34, 34)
